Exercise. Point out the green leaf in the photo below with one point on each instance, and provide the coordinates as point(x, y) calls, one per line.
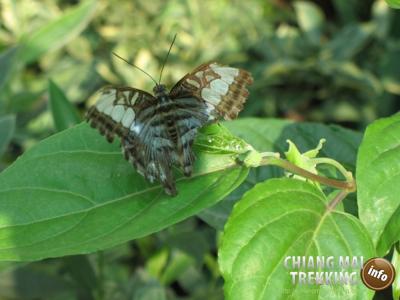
point(271, 135)
point(79, 195)
point(7, 127)
point(378, 177)
point(219, 140)
point(6, 65)
point(64, 113)
point(393, 3)
point(311, 20)
point(304, 160)
point(282, 218)
point(57, 33)
point(396, 265)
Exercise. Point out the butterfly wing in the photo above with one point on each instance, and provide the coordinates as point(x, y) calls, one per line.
point(210, 92)
point(133, 115)
point(189, 115)
point(221, 88)
point(151, 148)
point(155, 136)
point(115, 111)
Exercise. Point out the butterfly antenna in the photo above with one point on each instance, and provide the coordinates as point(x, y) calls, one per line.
point(166, 57)
point(131, 64)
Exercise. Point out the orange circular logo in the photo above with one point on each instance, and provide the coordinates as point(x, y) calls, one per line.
point(378, 273)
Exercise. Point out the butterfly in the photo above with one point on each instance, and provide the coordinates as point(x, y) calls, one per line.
point(157, 130)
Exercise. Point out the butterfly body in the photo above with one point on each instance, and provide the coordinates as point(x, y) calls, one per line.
point(157, 131)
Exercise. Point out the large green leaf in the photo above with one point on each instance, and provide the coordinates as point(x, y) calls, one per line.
point(282, 218)
point(271, 135)
point(378, 177)
point(74, 193)
point(57, 33)
point(7, 126)
point(63, 112)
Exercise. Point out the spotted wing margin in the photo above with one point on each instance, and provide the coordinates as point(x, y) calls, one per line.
point(222, 88)
point(115, 111)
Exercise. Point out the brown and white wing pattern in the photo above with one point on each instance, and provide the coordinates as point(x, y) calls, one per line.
point(158, 133)
point(222, 88)
point(210, 92)
point(138, 119)
point(189, 114)
point(116, 109)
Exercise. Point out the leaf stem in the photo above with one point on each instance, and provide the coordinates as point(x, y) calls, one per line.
point(349, 185)
point(337, 165)
point(338, 198)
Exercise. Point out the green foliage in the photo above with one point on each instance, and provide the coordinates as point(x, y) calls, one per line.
point(217, 139)
point(57, 33)
point(330, 61)
point(37, 282)
point(6, 63)
point(396, 264)
point(378, 174)
point(7, 126)
point(287, 217)
point(304, 160)
point(305, 61)
point(310, 20)
point(321, 71)
point(70, 196)
point(393, 3)
point(271, 135)
point(64, 114)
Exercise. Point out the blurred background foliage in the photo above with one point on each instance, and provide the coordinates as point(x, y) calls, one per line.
point(331, 61)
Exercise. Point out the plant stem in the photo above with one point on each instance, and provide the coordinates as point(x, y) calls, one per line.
point(338, 198)
point(330, 161)
point(349, 185)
